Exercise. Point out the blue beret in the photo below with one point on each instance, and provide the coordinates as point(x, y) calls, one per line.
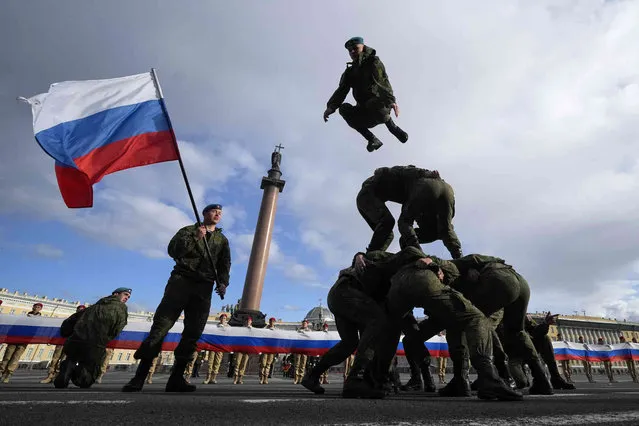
point(353, 40)
point(122, 290)
point(212, 207)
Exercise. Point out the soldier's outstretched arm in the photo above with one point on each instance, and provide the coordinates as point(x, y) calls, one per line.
point(183, 242)
point(340, 93)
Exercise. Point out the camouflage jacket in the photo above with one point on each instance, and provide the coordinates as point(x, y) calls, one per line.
point(100, 323)
point(190, 255)
point(368, 79)
point(380, 268)
point(395, 183)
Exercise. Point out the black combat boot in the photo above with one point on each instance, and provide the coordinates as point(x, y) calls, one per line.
point(177, 382)
point(556, 380)
point(311, 382)
point(373, 142)
point(63, 378)
point(415, 381)
point(458, 386)
point(358, 384)
point(413, 384)
point(137, 382)
point(401, 135)
point(504, 373)
point(429, 385)
point(540, 385)
point(489, 385)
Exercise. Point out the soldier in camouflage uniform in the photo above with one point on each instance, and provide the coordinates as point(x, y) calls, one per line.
point(266, 360)
point(189, 289)
point(421, 284)
point(241, 359)
point(372, 91)
point(299, 360)
point(86, 347)
point(502, 295)
point(425, 198)
point(215, 358)
point(13, 353)
point(356, 300)
point(58, 357)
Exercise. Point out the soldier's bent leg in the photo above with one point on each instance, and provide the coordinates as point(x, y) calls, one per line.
point(517, 340)
point(416, 353)
point(176, 297)
point(422, 288)
point(8, 353)
point(378, 217)
point(544, 347)
point(15, 359)
point(355, 117)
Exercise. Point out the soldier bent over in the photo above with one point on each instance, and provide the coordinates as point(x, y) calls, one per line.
point(189, 289)
point(425, 198)
point(86, 347)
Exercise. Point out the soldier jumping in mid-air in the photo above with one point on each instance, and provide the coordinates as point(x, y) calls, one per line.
point(372, 91)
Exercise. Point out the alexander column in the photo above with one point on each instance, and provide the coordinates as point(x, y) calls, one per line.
point(252, 294)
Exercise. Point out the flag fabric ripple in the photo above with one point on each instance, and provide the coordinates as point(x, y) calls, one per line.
point(93, 128)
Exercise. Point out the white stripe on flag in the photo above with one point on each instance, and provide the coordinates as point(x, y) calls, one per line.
point(72, 100)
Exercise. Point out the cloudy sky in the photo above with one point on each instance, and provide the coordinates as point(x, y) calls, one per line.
point(529, 109)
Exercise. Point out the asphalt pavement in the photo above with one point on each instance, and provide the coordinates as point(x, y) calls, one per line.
point(281, 402)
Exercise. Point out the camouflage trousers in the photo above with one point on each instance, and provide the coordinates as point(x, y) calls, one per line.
point(543, 346)
point(188, 371)
point(54, 365)
point(377, 216)
point(364, 116)
point(358, 320)
point(241, 362)
point(86, 361)
point(108, 356)
point(300, 365)
point(215, 362)
point(11, 358)
point(266, 360)
point(180, 294)
point(414, 286)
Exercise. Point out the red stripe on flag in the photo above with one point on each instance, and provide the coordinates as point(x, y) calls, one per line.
point(140, 150)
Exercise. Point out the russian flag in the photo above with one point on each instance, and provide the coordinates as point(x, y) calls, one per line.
point(96, 127)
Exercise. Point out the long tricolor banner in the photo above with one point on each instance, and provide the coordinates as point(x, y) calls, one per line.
point(22, 329)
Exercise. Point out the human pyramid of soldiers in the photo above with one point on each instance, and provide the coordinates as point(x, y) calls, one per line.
point(481, 301)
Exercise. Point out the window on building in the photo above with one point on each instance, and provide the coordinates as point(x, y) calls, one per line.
point(29, 352)
point(120, 356)
point(128, 357)
point(50, 353)
point(40, 352)
point(13, 311)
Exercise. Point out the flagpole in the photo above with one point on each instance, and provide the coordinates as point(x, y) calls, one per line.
point(186, 180)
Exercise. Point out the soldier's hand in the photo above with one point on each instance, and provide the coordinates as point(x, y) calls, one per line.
point(221, 290)
point(396, 109)
point(328, 112)
point(201, 232)
point(360, 263)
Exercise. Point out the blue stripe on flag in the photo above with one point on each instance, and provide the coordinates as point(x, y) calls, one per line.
point(78, 138)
